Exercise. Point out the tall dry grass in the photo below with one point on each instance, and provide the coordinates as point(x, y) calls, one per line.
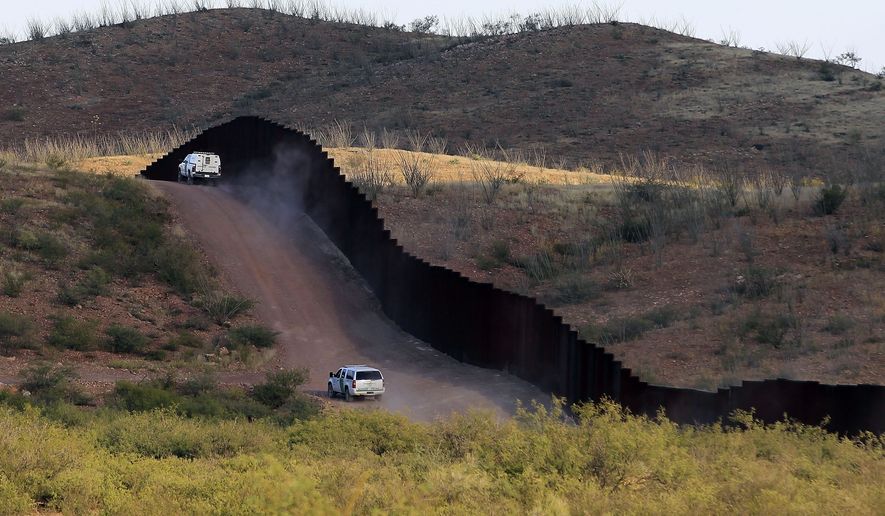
point(67, 148)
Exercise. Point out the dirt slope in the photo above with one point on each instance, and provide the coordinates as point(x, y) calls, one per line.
point(585, 93)
point(326, 317)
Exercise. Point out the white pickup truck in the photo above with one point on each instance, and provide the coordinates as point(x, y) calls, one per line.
point(356, 380)
point(200, 165)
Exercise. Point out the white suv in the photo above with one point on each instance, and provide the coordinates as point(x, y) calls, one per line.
point(356, 380)
point(200, 165)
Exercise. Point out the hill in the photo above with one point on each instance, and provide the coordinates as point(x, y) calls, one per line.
point(584, 94)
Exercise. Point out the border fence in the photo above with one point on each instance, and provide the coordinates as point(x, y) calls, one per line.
point(479, 324)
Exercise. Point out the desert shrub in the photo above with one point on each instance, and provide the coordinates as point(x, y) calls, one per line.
point(280, 387)
point(14, 282)
point(15, 114)
point(624, 329)
point(185, 340)
point(69, 333)
point(827, 71)
point(572, 290)
point(662, 317)
point(621, 278)
point(50, 384)
point(500, 251)
point(16, 331)
point(56, 161)
point(417, 171)
point(372, 177)
point(93, 284)
point(50, 248)
point(601, 460)
point(758, 282)
point(69, 295)
point(829, 199)
point(539, 266)
point(222, 307)
point(839, 324)
point(767, 329)
point(139, 397)
point(180, 267)
point(635, 229)
point(13, 205)
point(166, 433)
point(124, 339)
point(487, 263)
point(252, 335)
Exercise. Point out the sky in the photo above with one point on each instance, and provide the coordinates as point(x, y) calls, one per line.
point(828, 27)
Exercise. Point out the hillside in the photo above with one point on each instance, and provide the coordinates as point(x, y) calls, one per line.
point(584, 94)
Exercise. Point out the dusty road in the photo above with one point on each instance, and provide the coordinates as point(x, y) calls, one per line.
point(326, 316)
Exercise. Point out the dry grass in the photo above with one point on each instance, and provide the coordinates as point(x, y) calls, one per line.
point(459, 169)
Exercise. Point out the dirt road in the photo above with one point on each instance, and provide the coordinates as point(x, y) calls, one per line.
point(326, 316)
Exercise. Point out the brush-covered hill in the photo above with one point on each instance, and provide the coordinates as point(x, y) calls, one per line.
point(585, 94)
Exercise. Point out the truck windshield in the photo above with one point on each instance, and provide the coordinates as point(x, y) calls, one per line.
point(368, 375)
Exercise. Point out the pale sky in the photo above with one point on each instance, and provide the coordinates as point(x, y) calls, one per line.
point(828, 26)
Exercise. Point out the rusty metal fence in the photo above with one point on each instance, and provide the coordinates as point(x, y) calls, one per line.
point(482, 325)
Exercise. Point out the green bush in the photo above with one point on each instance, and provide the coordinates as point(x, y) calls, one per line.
point(757, 283)
point(69, 333)
point(767, 329)
point(839, 324)
point(625, 329)
point(123, 339)
point(165, 433)
point(50, 248)
point(223, 307)
point(14, 282)
point(280, 387)
point(601, 460)
point(635, 230)
point(539, 266)
point(93, 284)
point(11, 206)
point(16, 332)
point(829, 199)
point(50, 384)
point(179, 266)
point(253, 335)
point(500, 251)
point(662, 317)
point(185, 340)
point(572, 290)
point(139, 397)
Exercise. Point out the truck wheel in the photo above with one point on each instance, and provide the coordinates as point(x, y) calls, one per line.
point(347, 396)
point(190, 179)
point(331, 391)
point(178, 177)
point(378, 397)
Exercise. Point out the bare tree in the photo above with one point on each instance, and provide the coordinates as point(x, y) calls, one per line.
point(389, 139)
point(731, 37)
point(417, 140)
point(794, 49)
point(491, 176)
point(372, 178)
point(369, 139)
point(37, 29)
point(416, 170)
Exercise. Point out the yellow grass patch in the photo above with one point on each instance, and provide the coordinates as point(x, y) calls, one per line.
point(118, 165)
point(449, 169)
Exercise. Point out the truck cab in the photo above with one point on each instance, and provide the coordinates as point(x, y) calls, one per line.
point(200, 165)
point(356, 380)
